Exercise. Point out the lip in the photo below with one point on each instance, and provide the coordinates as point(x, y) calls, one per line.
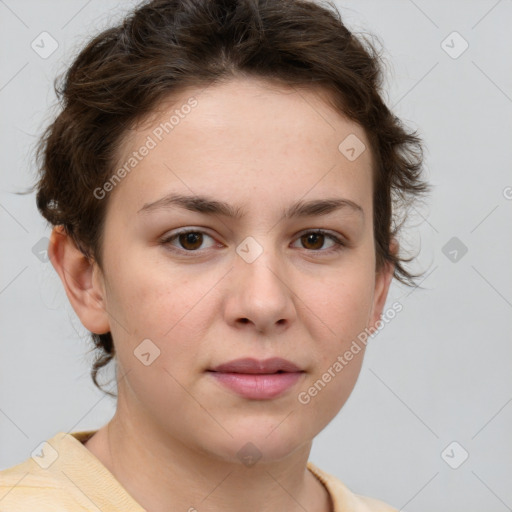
point(250, 365)
point(258, 380)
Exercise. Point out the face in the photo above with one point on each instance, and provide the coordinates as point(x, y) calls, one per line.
point(257, 285)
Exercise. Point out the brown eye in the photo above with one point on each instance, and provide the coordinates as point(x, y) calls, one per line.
point(314, 240)
point(189, 241)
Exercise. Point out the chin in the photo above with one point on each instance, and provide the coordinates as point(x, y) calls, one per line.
point(264, 443)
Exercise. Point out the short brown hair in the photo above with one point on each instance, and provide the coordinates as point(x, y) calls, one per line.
point(165, 46)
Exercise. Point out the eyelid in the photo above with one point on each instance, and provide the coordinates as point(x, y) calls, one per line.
point(166, 239)
point(340, 242)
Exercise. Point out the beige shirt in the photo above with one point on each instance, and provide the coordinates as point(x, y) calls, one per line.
point(64, 476)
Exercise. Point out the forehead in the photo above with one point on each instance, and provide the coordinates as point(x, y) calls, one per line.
point(244, 137)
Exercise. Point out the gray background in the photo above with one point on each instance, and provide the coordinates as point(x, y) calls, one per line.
point(438, 373)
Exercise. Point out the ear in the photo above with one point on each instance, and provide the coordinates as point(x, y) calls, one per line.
point(82, 280)
point(382, 283)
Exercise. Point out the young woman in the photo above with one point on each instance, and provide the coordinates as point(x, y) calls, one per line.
point(224, 183)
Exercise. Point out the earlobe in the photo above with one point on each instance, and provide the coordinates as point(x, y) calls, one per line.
point(78, 274)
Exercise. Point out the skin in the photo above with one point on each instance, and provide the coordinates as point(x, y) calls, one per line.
point(176, 432)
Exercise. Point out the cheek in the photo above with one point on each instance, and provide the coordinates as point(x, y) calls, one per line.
point(171, 309)
point(333, 385)
point(153, 300)
point(158, 305)
point(158, 390)
point(340, 307)
point(340, 316)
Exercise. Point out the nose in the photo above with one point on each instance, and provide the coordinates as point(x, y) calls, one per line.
point(260, 297)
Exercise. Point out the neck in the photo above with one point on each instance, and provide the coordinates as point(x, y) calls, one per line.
point(163, 474)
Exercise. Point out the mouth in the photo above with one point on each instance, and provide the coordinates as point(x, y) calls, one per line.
point(254, 366)
point(258, 379)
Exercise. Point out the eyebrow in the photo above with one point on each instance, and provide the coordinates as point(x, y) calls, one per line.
point(209, 206)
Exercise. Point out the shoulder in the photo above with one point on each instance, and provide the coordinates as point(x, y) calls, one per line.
point(376, 505)
point(344, 499)
point(28, 487)
point(21, 490)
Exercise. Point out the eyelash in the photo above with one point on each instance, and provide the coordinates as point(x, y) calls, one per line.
point(339, 244)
